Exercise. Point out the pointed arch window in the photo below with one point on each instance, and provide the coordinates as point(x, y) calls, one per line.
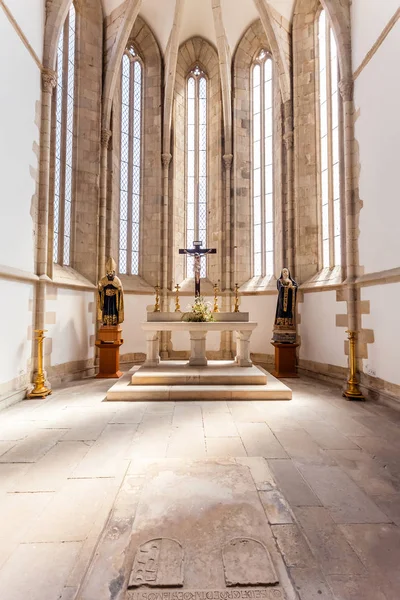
point(262, 165)
point(196, 163)
point(64, 140)
point(329, 143)
point(131, 162)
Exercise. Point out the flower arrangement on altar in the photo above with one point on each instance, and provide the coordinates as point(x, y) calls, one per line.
point(200, 311)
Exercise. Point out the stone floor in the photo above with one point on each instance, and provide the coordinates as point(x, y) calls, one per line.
point(327, 473)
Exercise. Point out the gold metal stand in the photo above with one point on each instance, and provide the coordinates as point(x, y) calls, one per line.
point(352, 392)
point(216, 290)
point(177, 305)
point(236, 307)
point(157, 304)
point(40, 390)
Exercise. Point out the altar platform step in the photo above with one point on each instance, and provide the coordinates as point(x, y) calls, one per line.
point(217, 372)
point(273, 389)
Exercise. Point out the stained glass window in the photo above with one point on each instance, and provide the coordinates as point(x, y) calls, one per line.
point(329, 147)
point(64, 140)
point(130, 169)
point(196, 164)
point(262, 162)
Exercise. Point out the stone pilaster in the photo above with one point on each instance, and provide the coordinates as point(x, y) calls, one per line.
point(105, 140)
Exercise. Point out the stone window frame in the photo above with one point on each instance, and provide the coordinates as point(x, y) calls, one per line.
point(203, 73)
point(256, 60)
point(137, 58)
point(333, 267)
point(61, 225)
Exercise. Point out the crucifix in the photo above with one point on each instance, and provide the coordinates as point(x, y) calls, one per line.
point(197, 252)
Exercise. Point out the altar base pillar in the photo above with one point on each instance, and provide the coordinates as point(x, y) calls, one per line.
point(243, 349)
point(198, 349)
point(285, 360)
point(153, 349)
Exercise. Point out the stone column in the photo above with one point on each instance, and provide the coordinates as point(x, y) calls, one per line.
point(243, 349)
point(165, 254)
point(346, 91)
point(153, 347)
point(198, 348)
point(105, 139)
point(288, 141)
point(226, 336)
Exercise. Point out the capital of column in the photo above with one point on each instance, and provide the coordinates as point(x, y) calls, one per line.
point(105, 137)
point(346, 87)
point(227, 158)
point(288, 140)
point(166, 159)
point(49, 80)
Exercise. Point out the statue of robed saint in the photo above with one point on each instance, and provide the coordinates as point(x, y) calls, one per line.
point(110, 298)
point(285, 317)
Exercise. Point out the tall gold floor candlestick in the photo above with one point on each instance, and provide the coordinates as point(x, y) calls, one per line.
point(352, 392)
point(157, 304)
point(40, 390)
point(177, 305)
point(216, 290)
point(236, 308)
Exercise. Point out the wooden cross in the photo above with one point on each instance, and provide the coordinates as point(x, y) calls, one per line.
point(197, 252)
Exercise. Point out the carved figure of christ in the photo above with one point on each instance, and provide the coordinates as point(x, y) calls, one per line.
point(197, 252)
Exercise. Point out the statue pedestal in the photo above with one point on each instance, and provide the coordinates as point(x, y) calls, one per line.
point(108, 343)
point(285, 360)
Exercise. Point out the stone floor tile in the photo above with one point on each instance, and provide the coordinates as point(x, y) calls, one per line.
point(51, 472)
point(245, 412)
point(299, 445)
point(347, 587)
point(37, 571)
point(219, 425)
point(66, 521)
point(381, 427)
point(293, 546)
point(311, 585)
point(260, 472)
point(6, 446)
point(346, 502)
point(390, 505)
point(14, 431)
point(275, 506)
point(35, 446)
point(215, 406)
point(228, 446)
point(187, 416)
point(186, 441)
point(327, 436)
point(327, 542)
point(259, 440)
point(10, 473)
point(104, 457)
point(296, 491)
point(131, 412)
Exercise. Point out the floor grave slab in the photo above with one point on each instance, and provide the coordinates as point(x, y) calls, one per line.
point(187, 530)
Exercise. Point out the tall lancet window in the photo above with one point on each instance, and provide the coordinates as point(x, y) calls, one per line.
point(329, 151)
point(263, 172)
point(64, 140)
point(196, 163)
point(131, 162)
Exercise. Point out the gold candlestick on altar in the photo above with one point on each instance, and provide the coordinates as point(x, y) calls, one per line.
point(216, 290)
point(157, 304)
point(352, 392)
point(40, 390)
point(236, 308)
point(177, 305)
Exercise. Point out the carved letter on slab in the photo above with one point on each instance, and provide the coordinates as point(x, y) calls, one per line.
point(158, 563)
point(247, 562)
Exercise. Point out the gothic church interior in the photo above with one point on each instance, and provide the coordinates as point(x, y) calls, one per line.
point(267, 129)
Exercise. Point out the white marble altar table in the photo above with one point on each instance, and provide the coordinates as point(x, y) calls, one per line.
point(198, 333)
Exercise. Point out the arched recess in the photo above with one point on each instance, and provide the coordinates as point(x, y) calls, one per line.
point(197, 51)
point(305, 90)
point(87, 127)
point(254, 40)
point(145, 44)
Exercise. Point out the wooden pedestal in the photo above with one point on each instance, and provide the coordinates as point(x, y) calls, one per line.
point(285, 360)
point(109, 359)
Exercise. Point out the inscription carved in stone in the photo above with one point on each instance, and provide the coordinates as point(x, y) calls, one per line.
point(158, 563)
point(239, 594)
point(247, 562)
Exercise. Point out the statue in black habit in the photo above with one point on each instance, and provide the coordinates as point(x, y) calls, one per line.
point(285, 317)
point(110, 299)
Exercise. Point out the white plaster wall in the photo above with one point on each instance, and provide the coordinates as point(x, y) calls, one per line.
point(74, 325)
point(384, 319)
point(16, 300)
point(377, 130)
point(262, 310)
point(30, 16)
point(368, 19)
point(19, 92)
point(321, 340)
point(135, 314)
